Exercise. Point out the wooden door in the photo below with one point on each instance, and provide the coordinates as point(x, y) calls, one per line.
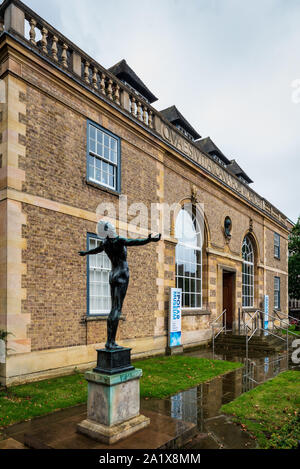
point(228, 286)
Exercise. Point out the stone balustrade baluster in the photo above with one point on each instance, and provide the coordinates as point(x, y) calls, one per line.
point(64, 55)
point(110, 89)
point(95, 78)
point(150, 119)
point(86, 72)
point(44, 40)
point(102, 83)
point(32, 32)
point(145, 114)
point(117, 94)
point(139, 111)
point(54, 48)
point(132, 107)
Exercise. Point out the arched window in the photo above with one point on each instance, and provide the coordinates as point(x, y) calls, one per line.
point(189, 259)
point(248, 273)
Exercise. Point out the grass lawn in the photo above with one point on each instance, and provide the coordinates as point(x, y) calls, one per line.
point(271, 411)
point(162, 377)
point(165, 376)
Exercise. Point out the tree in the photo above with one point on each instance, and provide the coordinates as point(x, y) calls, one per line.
point(294, 262)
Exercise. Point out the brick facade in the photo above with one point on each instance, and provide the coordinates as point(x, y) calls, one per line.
point(47, 208)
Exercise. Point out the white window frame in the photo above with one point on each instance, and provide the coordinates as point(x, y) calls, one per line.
point(276, 246)
point(194, 293)
point(248, 273)
point(99, 267)
point(103, 152)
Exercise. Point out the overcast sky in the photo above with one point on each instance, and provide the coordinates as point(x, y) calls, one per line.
point(228, 65)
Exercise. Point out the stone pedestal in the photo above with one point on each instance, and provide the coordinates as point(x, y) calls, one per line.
point(113, 410)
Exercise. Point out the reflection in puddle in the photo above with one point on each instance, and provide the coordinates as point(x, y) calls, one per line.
point(203, 402)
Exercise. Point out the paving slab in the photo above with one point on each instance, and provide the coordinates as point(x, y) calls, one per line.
point(59, 432)
point(228, 435)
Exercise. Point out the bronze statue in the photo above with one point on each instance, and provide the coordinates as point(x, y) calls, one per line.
point(115, 248)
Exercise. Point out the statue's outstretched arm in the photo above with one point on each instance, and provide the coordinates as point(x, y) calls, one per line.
point(141, 242)
point(97, 250)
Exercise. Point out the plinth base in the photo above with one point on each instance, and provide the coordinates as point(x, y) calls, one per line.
point(113, 410)
point(112, 434)
point(111, 362)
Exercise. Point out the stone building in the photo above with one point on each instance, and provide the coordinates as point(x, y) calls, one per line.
point(75, 135)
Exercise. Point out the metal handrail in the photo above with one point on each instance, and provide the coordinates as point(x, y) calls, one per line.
point(257, 326)
point(294, 319)
point(272, 317)
point(288, 317)
point(274, 325)
point(286, 329)
point(255, 330)
point(252, 317)
point(218, 317)
point(278, 317)
point(282, 328)
point(220, 331)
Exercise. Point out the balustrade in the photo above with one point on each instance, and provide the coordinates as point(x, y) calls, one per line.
point(48, 41)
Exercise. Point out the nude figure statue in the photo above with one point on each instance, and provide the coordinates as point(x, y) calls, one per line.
point(116, 249)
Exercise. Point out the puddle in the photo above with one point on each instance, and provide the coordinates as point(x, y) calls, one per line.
point(201, 405)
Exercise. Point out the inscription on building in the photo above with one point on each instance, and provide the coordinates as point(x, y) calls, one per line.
point(181, 144)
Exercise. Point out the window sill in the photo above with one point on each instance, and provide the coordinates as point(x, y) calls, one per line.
point(195, 312)
point(103, 188)
point(100, 318)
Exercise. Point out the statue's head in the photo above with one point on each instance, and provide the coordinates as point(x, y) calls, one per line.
point(106, 229)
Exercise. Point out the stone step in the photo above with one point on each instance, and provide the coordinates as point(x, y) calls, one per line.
point(263, 340)
point(251, 344)
point(264, 343)
point(260, 343)
point(258, 348)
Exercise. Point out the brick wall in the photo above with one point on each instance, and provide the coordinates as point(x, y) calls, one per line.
point(56, 284)
point(55, 175)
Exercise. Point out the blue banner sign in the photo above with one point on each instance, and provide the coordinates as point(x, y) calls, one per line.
point(266, 313)
point(175, 317)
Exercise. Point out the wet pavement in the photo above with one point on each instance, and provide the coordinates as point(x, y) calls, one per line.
point(58, 431)
point(200, 424)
